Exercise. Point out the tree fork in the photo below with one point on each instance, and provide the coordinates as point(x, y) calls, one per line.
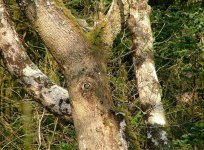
point(96, 126)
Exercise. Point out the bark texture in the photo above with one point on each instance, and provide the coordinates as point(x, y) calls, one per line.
point(113, 23)
point(37, 84)
point(85, 74)
point(147, 81)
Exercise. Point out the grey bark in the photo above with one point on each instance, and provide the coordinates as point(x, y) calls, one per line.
point(147, 82)
point(38, 85)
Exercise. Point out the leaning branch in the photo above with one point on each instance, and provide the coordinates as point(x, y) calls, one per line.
point(53, 97)
point(147, 81)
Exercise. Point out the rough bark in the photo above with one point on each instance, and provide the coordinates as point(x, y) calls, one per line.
point(147, 81)
point(85, 74)
point(113, 23)
point(37, 84)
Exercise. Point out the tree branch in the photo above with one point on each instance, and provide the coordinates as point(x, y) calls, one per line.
point(147, 82)
point(57, 27)
point(51, 96)
point(111, 24)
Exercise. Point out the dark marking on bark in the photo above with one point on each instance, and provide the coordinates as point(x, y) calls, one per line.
point(96, 69)
point(147, 107)
point(1, 25)
point(4, 33)
point(131, 21)
point(30, 7)
point(60, 102)
point(48, 84)
point(87, 89)
point(1, 14)
point(78, 73)
point(65, 111)
point(86, 86)
point(40, 86)
point(67, 101)
point(141, 57)
point(52, 105)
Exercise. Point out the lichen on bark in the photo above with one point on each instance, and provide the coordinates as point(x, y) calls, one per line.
point(40, 87)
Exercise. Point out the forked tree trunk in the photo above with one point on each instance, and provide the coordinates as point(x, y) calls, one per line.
point(147, 81)
point(85, 73)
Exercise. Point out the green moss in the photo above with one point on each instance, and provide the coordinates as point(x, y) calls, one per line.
point(14, 10)
point(95, 36)
point(129, 132)
point(68, 14)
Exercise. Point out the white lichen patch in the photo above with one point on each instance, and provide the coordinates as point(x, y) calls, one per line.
point(147, 74)
point(32, 72)
point(148, 85)
point(150, 69)
point(149, 135)
point(149, 92)
point(157, 119)
point(2, 9)
point(163, 137)
point(55, 97)
point(9, 36)
point(157, 115)
point(154, 140)
point(58, 92)
point(123, 141)
point(156, 143)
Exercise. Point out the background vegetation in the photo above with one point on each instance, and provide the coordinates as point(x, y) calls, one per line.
point(178, 27)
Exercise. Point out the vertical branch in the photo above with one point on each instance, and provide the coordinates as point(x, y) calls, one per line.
point(109, 24)
point(147, 81)
point(114, 20)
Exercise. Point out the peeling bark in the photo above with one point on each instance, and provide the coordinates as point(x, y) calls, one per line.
point(85, 72)
point(147, 81)
point(37, 84)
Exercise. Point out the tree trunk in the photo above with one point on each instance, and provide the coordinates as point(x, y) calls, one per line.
point(147, 81)
point(84, 67)
point(85, 73)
